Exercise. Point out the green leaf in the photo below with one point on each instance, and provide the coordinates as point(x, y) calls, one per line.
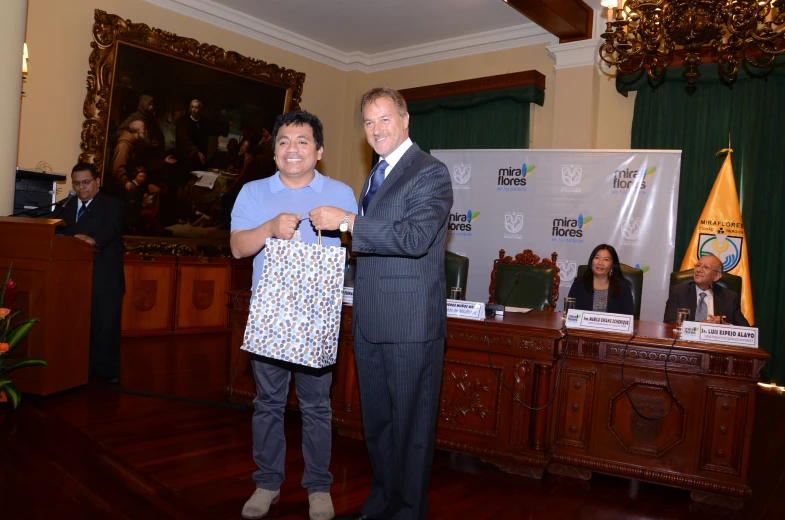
point(21, 330)
point(27, 362)
point(13, 393)
point(7, 277)
point(530, 167)
point(3, 383)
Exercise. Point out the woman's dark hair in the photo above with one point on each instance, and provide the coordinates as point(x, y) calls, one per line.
point(588, 277)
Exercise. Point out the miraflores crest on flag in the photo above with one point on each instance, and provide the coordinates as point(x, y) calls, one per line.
point(720, 232)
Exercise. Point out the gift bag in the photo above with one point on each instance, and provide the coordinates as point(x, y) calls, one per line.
point(295, 310)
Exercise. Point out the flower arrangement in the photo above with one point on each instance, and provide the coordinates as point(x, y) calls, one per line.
point(10, 338)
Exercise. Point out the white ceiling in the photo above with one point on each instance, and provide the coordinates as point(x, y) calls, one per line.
point(375, 26)
point(372, 35)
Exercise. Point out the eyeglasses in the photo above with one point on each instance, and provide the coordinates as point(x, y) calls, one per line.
point(86, 183)
point(704, 267)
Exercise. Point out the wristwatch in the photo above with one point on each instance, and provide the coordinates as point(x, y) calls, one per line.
point(344, 226)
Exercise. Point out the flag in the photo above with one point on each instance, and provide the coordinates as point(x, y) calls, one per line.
point(720, 232)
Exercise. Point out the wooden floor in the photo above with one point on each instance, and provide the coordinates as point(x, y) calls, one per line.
point(107, 452)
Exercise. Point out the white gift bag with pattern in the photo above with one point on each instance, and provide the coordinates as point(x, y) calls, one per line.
point(295, 310)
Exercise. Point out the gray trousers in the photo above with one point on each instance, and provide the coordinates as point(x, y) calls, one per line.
point(269, 443)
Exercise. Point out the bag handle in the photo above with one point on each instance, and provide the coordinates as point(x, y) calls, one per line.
point(319, 232)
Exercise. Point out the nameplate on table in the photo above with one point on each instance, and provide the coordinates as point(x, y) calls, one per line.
point(602, 321)
point(464, 309)
point(722, 334)
point(348, 296)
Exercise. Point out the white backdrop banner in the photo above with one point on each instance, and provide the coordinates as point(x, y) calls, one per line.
point(566, 201)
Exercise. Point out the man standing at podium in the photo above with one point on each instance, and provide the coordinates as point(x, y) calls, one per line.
point(98, 219)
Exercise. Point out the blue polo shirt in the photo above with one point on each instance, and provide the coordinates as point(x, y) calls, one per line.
point(263, 200)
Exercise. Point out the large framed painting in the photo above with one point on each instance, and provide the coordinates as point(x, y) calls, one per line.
point(176, 127)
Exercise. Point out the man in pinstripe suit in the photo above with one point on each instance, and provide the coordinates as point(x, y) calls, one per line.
point(399, 306)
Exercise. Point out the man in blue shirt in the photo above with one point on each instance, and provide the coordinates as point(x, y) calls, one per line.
point(277, 207)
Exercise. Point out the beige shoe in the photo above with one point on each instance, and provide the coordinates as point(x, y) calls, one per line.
point(259, 503)
point(321, 506)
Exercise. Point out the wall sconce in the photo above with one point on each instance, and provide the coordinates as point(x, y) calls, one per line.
point(24, 62)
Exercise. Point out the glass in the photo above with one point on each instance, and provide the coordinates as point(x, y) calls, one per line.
point(682, 315)
point(704, 267)
point(86, 183)
point(456, 293)
point(569, 303)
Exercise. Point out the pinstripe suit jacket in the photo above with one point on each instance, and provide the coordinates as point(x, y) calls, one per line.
point(399, 291)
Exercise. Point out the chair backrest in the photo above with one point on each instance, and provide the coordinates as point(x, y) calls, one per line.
point(728, 281)
point(456, 271)
point(525, 281)
point(632, 275)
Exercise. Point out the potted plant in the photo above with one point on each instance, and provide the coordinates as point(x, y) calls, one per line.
point(10, 336)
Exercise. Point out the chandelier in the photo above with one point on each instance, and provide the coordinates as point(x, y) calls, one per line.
point(651, 34)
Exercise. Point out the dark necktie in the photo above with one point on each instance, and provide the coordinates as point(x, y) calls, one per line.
point(81, 211)
point(377, 177)
point(702, 313)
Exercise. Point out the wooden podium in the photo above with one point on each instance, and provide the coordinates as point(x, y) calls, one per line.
point(55, 277)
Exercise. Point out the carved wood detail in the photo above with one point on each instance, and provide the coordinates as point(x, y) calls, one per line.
point(646, 437)
point(651, 474)
point(478, 337)
point(723, 436)
point(569, 471)
point(465, 398)
point(654, 355)
point(717, 500)
point(574, 411)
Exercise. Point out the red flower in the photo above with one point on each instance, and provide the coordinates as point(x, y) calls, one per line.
point(10, 293)
point(4, 347)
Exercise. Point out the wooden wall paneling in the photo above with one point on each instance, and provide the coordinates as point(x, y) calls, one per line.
point(201, 296)
point(148, 302)
point(242, 272)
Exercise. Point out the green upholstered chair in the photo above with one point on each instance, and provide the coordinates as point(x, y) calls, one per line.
point(456, 270)
point(728, 281)
point(525, 281)
point(632, 275)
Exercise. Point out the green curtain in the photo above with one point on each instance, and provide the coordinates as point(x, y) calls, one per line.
point(752, 111)
point(491, 119)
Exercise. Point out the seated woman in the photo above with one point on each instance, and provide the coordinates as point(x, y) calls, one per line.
point(602, 287)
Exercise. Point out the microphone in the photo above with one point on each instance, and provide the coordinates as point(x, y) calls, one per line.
point(496, 308)
point(58, 204)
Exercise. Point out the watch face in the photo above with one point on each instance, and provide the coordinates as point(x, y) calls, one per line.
point(344, 227)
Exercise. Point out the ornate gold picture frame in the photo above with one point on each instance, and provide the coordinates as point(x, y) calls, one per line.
point(142, 73)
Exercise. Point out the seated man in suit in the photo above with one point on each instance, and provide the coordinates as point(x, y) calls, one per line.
point(705, 300)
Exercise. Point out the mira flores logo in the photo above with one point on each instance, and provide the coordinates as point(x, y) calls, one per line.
point(461, 173)
point(569, 229)
point(625, 180)
point(514, 179)
point(460, 224)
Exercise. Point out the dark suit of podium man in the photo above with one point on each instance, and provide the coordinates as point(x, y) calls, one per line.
point(399, 306)
point(98, 219)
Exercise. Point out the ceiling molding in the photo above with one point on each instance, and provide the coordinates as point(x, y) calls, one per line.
point(575, 54)
point(235, 21)
point(581, 53)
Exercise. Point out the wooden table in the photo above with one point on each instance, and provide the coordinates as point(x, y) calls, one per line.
point(702, 444)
